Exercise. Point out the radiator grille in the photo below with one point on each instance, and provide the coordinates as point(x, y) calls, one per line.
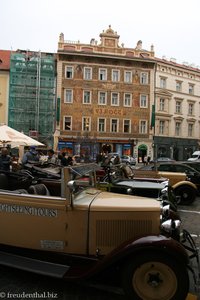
point(110, 233)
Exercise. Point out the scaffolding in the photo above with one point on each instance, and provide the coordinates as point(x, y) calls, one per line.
point(32, 94)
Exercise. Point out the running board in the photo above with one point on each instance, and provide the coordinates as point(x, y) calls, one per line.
point(33, 265)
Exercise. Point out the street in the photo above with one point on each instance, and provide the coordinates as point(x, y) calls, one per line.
point(15, 284)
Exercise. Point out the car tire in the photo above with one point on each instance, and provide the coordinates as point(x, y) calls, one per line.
point(154, 276)
point(186, 194)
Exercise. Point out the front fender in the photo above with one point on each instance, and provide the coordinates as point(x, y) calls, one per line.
point(184, 183)
point(159, 243)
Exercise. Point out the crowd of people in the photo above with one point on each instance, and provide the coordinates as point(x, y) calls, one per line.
point(34, 156)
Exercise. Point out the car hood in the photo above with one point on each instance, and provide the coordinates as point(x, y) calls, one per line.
point(96, 200)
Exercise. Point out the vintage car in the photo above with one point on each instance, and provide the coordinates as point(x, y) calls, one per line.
point(93, 235)
point(185, 190)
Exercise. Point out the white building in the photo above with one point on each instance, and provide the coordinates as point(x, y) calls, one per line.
point(177, 107)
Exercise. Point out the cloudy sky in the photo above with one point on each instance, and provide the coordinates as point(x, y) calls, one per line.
point(172, 26)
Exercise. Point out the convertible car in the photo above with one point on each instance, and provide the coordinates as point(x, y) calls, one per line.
point(88, 234)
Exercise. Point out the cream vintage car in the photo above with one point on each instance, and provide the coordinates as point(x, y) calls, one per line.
point(89, 234)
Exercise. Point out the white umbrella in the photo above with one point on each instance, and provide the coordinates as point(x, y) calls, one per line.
point(15, 138)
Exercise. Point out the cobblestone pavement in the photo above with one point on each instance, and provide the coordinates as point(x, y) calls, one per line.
point(15, 284)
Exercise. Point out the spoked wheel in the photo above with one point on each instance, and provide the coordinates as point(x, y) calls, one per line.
point(155, 277)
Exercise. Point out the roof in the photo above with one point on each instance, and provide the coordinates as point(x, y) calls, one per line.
point(173, 62)
point(5, 59)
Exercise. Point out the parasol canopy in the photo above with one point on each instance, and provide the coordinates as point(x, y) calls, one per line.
point(15, 138)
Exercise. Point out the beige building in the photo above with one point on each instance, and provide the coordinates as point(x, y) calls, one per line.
point(177, 105)
point(4, 85)
point(105, 95)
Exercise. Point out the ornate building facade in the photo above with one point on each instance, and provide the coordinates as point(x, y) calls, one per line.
point(105, 96)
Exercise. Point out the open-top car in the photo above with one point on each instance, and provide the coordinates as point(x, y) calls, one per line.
point(184, 182)
point(89, 234)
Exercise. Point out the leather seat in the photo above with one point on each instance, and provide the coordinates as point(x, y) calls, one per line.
point(38, 189)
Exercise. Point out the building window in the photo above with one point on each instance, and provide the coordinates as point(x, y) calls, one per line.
point(161, 127)
point(127, 76)
point(115, 75)
point(102, 74)
point(163, 82)
point(127, 126)
point(127, 99)
point(114, 125)
point(143, 101)
point(178, 107)
point(191, 89)
point(190, 109)
point(67, 123)
point(69, 72)
point(68, 96)
point(178, 86)
point(115, 99)
point(144, 78)
point(102, 98)
point(143, 127)
point(178, 129)
point(86, 124)
point(162, 104)
point(87, 73)
point(86, 97)
point(101, 125)
point(190, 129)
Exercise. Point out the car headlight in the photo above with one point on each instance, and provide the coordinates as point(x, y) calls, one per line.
point(171, 225)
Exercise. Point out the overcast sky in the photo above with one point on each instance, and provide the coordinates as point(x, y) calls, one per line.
point(172, 26)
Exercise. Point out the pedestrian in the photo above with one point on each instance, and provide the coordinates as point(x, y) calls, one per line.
point(51, 157)
point(63, 159)
point(5, 160)
point(70, 161)
point(30, 156)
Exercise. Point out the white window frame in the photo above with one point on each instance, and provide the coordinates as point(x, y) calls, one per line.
point(69, 70)
point(127, 99)
point(191, 89)
point(115, 75)
point(101, 125)
point(128, 75)
point(163, 82)
point(162, 104)
point(143, 102)
point(177, 128)
point(116, 125)
point(70, 117)
point(162, 127)
point(68, 99)
point(143, 127)
point(85, 99)
point(144, 78)
point(190, 129)
point(178, 86)
point(178, 108)
point(100, 102)
point(87, 73)
point(129, 125)
point(190, 109)
point(86, 123)
point(114, 100)
point(102, 74)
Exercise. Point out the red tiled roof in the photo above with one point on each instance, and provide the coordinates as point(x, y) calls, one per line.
point(5, 59)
